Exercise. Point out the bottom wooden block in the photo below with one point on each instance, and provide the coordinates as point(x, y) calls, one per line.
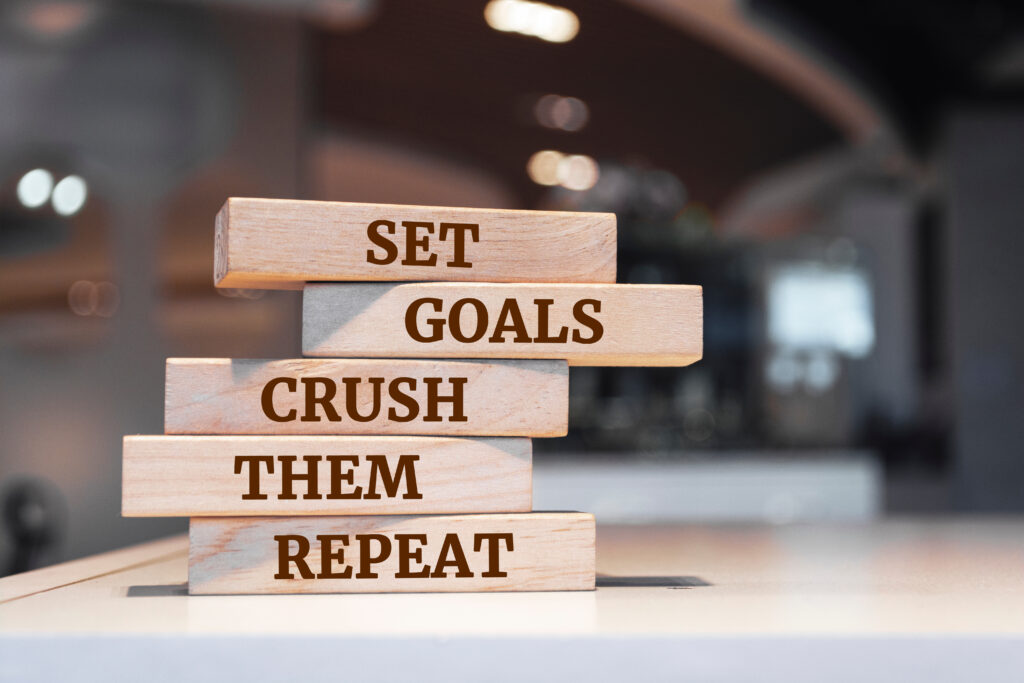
point(536, 551)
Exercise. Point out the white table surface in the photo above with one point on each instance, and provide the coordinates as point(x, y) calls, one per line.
point(896, 600)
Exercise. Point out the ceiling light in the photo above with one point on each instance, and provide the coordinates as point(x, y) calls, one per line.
point(577, 172)
point(69, 195)
point(537, 19)
point(543, 167)
point(83, 297)
point(56, 18)
point(571, 171)
point(564, 113)
point(34, 188)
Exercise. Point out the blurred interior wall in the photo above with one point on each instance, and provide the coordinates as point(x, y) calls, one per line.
point(881, 221)
point(64, 408)
point(985, 157)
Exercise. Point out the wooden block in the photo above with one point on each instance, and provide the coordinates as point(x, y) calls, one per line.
point(359, 396)
point(181, 476)
point(584, 324)
point(280, 244)
point(541, 551)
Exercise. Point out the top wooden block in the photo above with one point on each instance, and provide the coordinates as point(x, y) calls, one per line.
point(280, 244)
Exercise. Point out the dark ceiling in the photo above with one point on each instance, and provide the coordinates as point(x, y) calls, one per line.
point(917, 57)
point(436, 77)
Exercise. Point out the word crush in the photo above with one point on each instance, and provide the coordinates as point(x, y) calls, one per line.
point(321, 392)
point(367, 396)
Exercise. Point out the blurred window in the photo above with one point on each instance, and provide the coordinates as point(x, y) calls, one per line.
point(812, 307)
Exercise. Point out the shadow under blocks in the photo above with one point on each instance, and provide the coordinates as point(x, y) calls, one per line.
point(179, 589)
point(604, 581)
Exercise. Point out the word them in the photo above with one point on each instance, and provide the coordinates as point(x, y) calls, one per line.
point(342, 473)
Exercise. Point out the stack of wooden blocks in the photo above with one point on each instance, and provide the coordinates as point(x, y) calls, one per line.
point(396, 456)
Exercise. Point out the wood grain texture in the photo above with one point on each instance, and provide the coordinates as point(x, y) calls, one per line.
point(498, 398)
point(550, 551)
point(653, 325)
point(181, 476)
point(280, 244)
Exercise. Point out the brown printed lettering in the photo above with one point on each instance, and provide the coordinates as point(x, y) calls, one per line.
point(375, 549)
point(390, 250)
point(285, 557)
point(321, 393)
point(470, 328)
point(417, 239)
point(254, 473)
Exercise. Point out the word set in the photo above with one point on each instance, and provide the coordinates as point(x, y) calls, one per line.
point(396, 455)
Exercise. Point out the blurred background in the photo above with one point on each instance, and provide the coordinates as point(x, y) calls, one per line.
point(845, 179)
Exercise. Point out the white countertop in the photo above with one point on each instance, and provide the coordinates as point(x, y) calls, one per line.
point(889, 600)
